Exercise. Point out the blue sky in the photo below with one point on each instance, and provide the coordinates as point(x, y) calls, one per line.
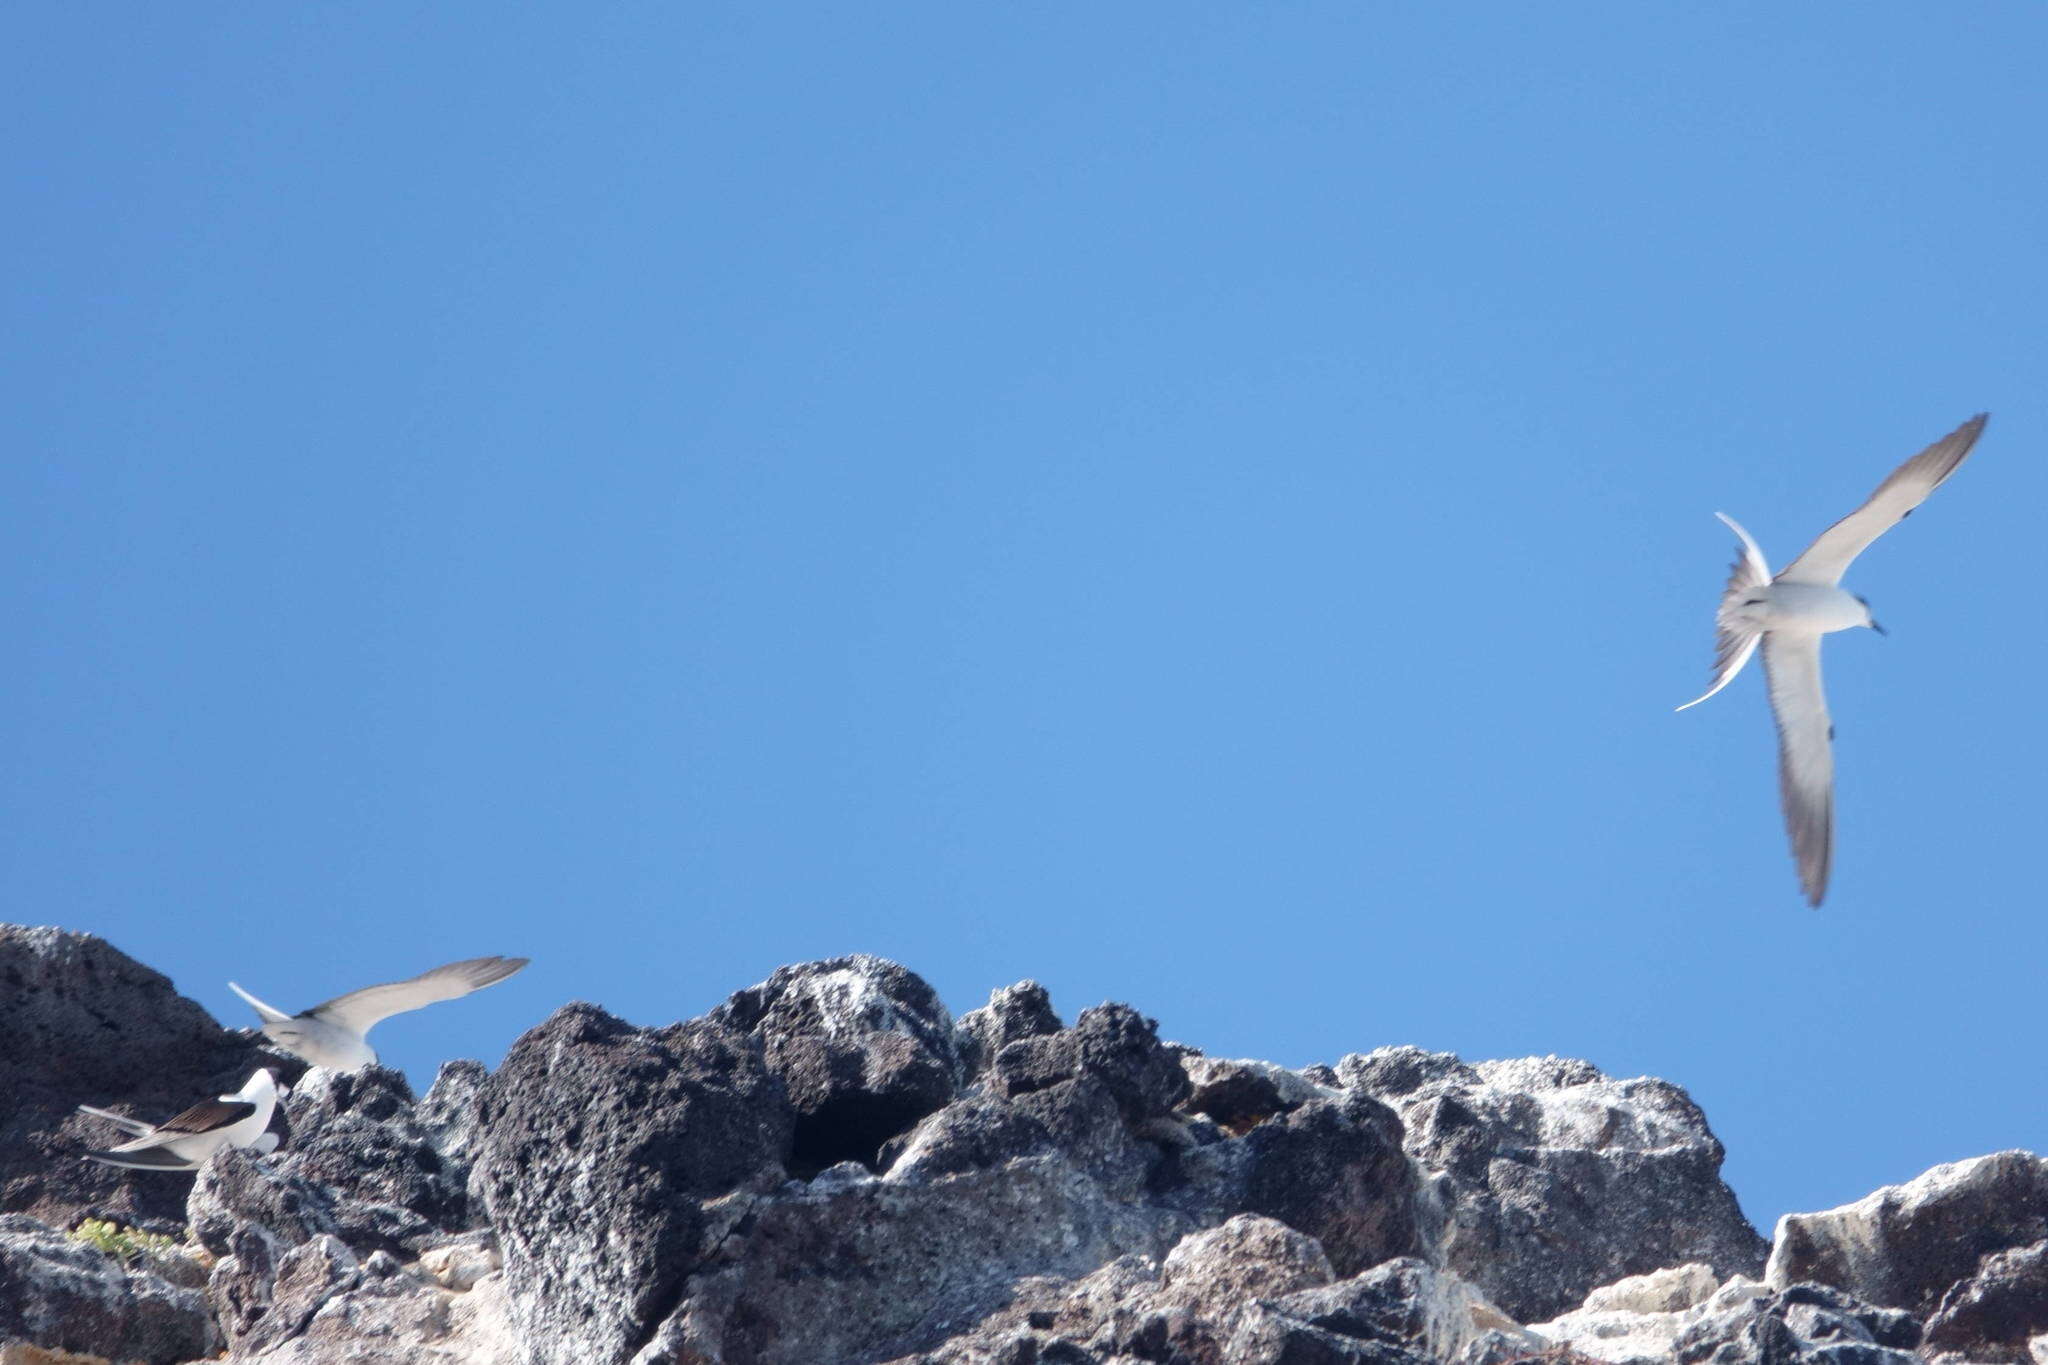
point(1208, 506)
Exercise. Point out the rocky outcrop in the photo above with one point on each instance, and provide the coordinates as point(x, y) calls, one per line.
point(83, 1023)
point(1964, 1247)
point(863, 1049)
point(830, 1168)
point(1684, 1314)
point(1251, 1291)
point(1553, 1179)
point(613, 1161)
point(361, 1185)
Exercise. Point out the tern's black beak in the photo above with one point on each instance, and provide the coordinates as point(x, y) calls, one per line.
point(1879, 629)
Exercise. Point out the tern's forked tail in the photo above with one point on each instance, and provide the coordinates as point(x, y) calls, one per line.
point(1735, 635)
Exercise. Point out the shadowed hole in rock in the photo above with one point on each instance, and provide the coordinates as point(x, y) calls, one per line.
point(1239, 1102)
point(849, 1128)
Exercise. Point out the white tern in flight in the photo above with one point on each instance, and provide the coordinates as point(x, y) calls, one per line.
point(332, 1035)
point(1789, 613)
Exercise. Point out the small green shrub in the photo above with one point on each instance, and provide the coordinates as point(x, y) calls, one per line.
point(126, 1245)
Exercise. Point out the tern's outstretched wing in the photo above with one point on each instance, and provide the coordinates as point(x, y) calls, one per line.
point(1806, 755)
point(1734, 636)
point(1891, 504)
point(358, 1010)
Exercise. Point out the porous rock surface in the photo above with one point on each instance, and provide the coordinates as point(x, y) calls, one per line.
point(830, 1169)
point(1963, 1247)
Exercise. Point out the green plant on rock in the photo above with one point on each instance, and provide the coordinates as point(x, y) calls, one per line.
point(126, 1245)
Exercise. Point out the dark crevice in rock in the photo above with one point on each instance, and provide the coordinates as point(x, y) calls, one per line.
point(849, 1127)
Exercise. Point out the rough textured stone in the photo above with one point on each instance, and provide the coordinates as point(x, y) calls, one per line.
point(1251, 1290)
point(1408, 1305)
point(600, 1144)
point(871, 1270)
point(864, 1048)
point(1013, 1012)
point(462, 1262)
point(1239, 1095)
point(1638, 1320)
point(1335, 1170)
point(236, 1190)
point(1681, 1316)
point(1077, 1121)
point(1796, 1325)
point(1217, 1270)
point(1905, 1246)
point(447, 1113)
point(1553, 1178)
point(1993, 1315)
point(1114, 1045)
point(83, 1023)
point(356, 1136)
point(332, 1309)
point(57, 1293)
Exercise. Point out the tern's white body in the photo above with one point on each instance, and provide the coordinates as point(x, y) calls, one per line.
point(185, 1142)
point(1813, 608)
point(322, 1043)
point(1787, 613)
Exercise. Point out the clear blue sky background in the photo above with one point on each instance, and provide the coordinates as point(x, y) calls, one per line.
point(1202, 505)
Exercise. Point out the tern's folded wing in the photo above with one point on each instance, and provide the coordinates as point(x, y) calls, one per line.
point(207, 1116)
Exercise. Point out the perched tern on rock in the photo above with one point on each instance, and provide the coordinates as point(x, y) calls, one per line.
point(332, 1035)
point(185, 1142)
point(1789, 613)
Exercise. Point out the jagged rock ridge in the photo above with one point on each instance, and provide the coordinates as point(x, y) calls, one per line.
point(830, 1168)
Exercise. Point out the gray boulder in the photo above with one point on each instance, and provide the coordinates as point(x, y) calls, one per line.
point(59, 1294)
point(1997, 1313)
point(850, 1268)
point(600, 1145)
point(1076, 1121)
point(1112, 1044)
point(863, 1047)
point(1013, 1012)
point(1334, 1169)
point(1239, 1095)
point(1250, 1291)
point(1801, 1324)
point(1683, 1315)
point(447, 1113)
point(1907, 1246)
point(1547, 1178)
point(329, 1306)
point(83, 1023)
